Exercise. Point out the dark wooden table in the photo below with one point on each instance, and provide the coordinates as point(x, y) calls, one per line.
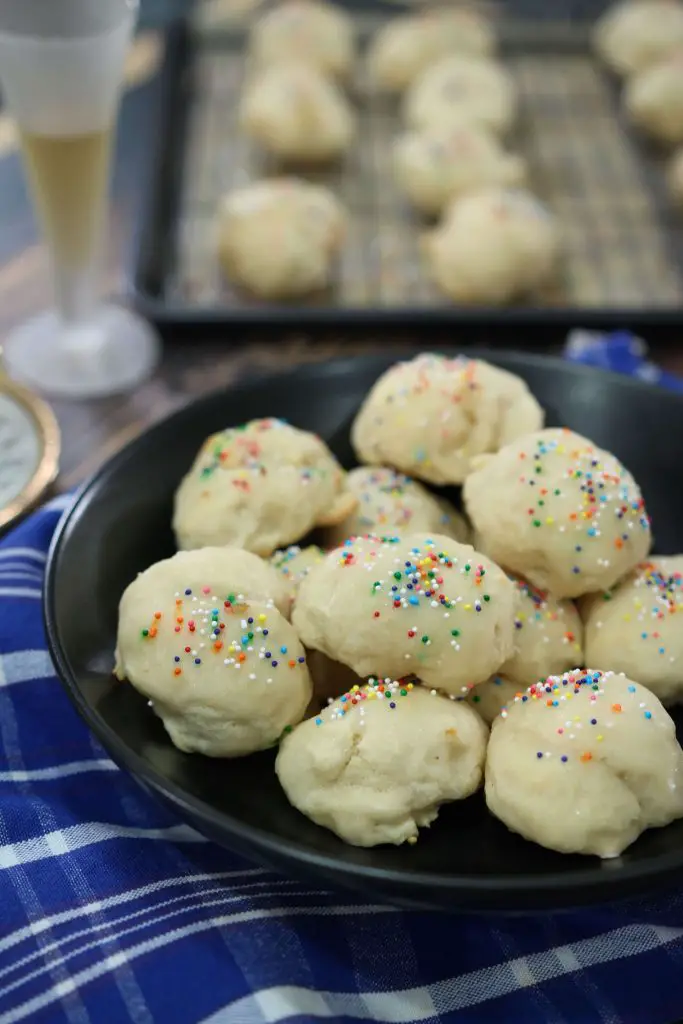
point(91, 431)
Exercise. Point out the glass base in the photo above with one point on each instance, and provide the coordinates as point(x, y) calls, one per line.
point(115, 352)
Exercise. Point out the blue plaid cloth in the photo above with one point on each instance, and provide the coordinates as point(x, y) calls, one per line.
point(111, 910)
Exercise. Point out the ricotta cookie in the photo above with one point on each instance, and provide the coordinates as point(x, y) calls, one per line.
point(654, 100)
point(376, 765)
point(460, 87)
point(406, 46)
point(294, 564)
point(224, 671)
point(390, 502)
point(278, 239)
point(305, 32)
point(435, 166)
point(493, 246)
point(559, 510)
point(259, 486)
point(635, 34)
point(419, 605)
point(584, 763)
point(297, 115)
point(637, 628)
point(429, 416)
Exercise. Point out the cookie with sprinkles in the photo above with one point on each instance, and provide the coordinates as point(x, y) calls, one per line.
point(418, 605)
point(222, 668)
point(557, 509)
point(490, 698)
point(548, 635)
point(548, 641)
point(583, 763)
point(391, 502)
point(294, 564)
point(377, 764)
point(259, 486)
point(637, 628)
point(430, 415)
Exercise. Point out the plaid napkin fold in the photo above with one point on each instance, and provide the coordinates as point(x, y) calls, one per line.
point(111, 910)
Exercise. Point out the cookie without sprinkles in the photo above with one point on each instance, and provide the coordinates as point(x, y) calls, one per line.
point(559, 510)
point(412, 605)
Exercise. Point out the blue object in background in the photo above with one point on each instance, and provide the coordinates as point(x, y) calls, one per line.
point(621, 352)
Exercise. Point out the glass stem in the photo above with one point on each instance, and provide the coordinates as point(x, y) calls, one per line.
point(76, 291)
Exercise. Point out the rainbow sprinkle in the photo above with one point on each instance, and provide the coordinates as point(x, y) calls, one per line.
point(581, 732)
point(657, 595)
point(201, 621)
point(420, 579)
point(390, 691)
point(605, 488)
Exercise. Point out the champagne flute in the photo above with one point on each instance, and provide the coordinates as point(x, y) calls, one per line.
point(61, 72)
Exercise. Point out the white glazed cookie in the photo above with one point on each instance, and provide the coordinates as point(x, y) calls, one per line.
point(376, 766)
point(278, 238)
point(392, 503)
point(635, 34)
point(548, 638)
point(259, 486)
point(584, 763)
point(421, 605)
point(305, 32)
point(637, 628)
point(456, 87)
point(548, 642)
point(654, 100)
point(492, 246)
point(224, 670)
point(294, 564)
point(560, 510)
point(675, 178)
point(435, 166)
point(406, 46)
point(490, 698)
point(429, 416)
point(297, 115)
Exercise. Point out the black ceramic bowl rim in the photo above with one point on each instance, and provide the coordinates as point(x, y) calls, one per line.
point(593, 879)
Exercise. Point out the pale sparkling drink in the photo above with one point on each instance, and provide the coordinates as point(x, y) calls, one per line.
point(61, 68)
point(69, 175)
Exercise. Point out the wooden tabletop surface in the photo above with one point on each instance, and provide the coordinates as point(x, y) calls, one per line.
point(93, 430)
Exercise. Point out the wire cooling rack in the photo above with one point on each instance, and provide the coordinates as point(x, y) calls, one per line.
point(622, 239)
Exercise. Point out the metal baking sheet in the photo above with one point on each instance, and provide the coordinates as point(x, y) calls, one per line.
point(623, 241)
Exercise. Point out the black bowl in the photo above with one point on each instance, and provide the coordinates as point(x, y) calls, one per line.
point(120, 524)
